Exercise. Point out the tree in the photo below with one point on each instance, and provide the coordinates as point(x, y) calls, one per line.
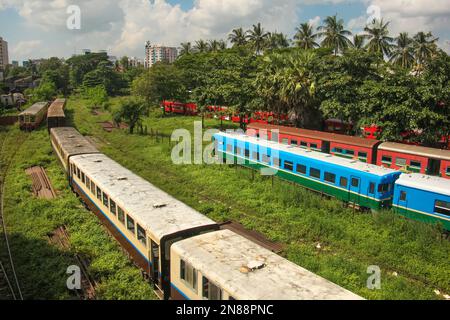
point(45, 92)
point(186, 48)
point(131, 111)
point(424, 46)
point(237, 37)
point(334, 35)
point(97, 97)
point(358, 42)
point(124, 63)
point(305, 36)
point(201, 46)
point(378, 37)
point(277, 41)
point(403, 52)
point(257, 38)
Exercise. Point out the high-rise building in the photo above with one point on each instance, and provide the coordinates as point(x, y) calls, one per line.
point(4, 59)
point(157, 53)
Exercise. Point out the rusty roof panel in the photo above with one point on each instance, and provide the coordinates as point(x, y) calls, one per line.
point(416, 150)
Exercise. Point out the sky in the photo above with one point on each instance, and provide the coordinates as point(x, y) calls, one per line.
point(38, 28)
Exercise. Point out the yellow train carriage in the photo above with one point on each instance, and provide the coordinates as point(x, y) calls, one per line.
point(31, 118)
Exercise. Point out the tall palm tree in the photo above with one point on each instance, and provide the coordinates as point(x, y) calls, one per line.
point(305, 36)
point(213, 45)
point(222, 44)
point(379, 40)
point(237, 37)
point(186, 48)
point(201, 46)
point(277, 40)
point(358, 41)
point(403, 52)
point(334, 35)
point(257, 37)
point(424, 46)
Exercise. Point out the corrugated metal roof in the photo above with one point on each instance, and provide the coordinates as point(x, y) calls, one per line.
point(156, 211)
point(348, 163)
point(248, 271)
point(72, 142)
point(314, 134)
point(34, 109)
point(416, 150)
point(425, 182)
point(56, 109)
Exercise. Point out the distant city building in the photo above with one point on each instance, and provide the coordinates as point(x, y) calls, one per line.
point(25, 63)
point(86, 51)
point(4, 59)
point(15, 63)
point(135, 62)
point(157, 53)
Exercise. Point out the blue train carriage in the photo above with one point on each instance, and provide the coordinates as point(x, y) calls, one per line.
point(352, 181)
point(424, 198)
point(145, 220)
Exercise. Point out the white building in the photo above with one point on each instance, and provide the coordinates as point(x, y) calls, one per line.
point(135, 62)
point(4, 59)
point(157, 53)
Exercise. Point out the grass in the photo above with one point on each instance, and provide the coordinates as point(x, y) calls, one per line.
point(412, 256)
point(41, 267)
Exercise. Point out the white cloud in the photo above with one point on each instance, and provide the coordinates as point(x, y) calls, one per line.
point(314, 22)
point(25, 48)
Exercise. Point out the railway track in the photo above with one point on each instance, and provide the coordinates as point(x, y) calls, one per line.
point(9, 284)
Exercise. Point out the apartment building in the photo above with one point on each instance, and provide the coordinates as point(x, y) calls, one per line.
point(157, 53)
point(4, 59)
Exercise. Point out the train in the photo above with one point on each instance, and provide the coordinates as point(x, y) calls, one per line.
point(184, 254)
point(399, 156)
point(55, 115)
point(362, 184)
point(31, 118)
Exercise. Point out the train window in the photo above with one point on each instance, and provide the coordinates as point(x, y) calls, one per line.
point(288, 165)
point(386, 160)
point(402, 196)
point(303, 144)
point(285, 141)
point(105, 200)
point(211, 291)
point(372, 188)
point(112, 207)
point(447, 172)
point(294, 142)
point(78, 173)
point(315, 173)
point(337, 150)
point(400, 162)
point(120, 215)
point(362, 155)
point(442, 207)
point(416, 164)
point(255, 155)
point(330, 177)
point(99, 194)
point(83, 178)
point(141, 235)
point(247, 153)
point(343, 182)
point(229, 148)
point(382, 188)
point(276, 162)
point(313, 146)
point(355, 182)
point(238, 151)
point(130, 224)
point(88, 182)
point(301, 168)
point(266, 158)
point(188, 274)
point(92, 187)
point(74, 170)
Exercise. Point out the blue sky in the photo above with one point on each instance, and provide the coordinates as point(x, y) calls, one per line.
point(37, 28)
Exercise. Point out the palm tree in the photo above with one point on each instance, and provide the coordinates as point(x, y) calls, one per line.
point(358, 41)
point(257, 37)
point(237, 37)
point(201, 46)
point(379, 40)
point(334, 35)
point(222, 45)
point(186, 48)
point(277, 40)
point(403, 53)
point(305, 36)
point(213, 45)
point(424, 45)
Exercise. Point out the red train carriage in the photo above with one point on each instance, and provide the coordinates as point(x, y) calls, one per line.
point(55, 114)
point(335, 144)
point(414, 158)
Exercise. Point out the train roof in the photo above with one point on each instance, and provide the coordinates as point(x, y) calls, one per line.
point(72, 142)
point(154, 209)
point(248, 271)
point(314, 134)
point(425, 182)
point(348, 163)
point(416, 150)
point(56, 109)
point(34, 109)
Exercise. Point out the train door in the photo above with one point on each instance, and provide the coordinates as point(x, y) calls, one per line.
point(402, 201)
point(154, 258)
point(326, 146)
point(355, 189)
point(434, 166)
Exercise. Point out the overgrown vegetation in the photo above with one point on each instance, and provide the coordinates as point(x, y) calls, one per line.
point(318, 234)
point(41, 267)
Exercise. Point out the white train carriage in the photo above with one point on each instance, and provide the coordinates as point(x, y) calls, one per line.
point(223, 265)
point(68, 142)
point(144, 219)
